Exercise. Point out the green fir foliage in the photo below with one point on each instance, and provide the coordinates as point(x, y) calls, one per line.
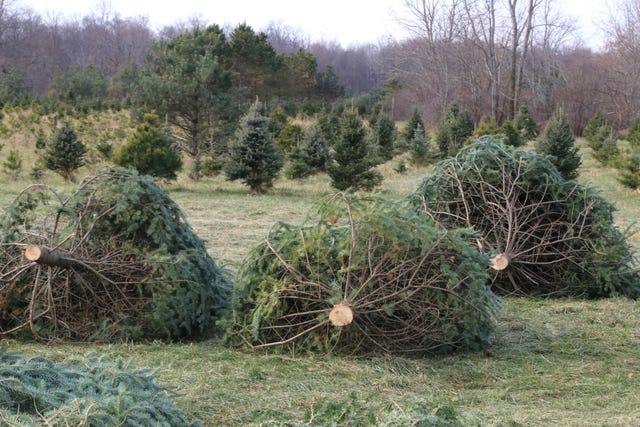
point(558, 143)
point(150, 151)
point(82, 391)
point(413, 287)
point(353, 166)
point(254, 157)
point(65, 153)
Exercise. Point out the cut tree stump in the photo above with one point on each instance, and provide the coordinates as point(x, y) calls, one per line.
point(341, 314)
point(500, 262)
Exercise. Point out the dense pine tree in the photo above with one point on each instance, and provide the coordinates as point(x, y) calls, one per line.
point(254, 157)
point(419, 147)
point(558, 143)
point(151, 151)
point(409, 130)
point(65, 154)
point(311, 156)
point(353, 166)
point(385, 132)
point(525, 125)
point(454, 129)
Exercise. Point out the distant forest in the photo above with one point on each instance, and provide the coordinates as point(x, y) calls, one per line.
point(488, 57)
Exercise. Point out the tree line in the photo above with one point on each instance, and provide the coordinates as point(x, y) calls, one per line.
point(491, 57)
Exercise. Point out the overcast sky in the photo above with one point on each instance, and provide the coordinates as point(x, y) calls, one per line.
point(345, 21)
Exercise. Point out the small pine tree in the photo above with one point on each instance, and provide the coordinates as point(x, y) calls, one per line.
point(289, 137)
point(486, 127)
point(151, 151)
point(311, 156)
point(65, 153)
point(12, 165)
point(607, 151)
point(454, 129)
point(254, 157)
point(419, 149)
point(595, 124)
point(557, 142)
point(634, 133)
point(512, 137)
point(385, 131)
point(353, 167)
point(629, 169)
point(525, 125)
point(409, 130)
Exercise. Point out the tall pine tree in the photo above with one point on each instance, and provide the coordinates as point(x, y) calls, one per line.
point(557, 142)
point(254, 157)
point(353, 166)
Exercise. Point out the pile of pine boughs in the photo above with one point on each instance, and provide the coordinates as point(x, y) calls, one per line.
point(558, 236)
point(137, 268)
point(410, 286)
point(86, 391)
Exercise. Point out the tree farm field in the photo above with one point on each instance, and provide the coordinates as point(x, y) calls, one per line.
point(566, 362)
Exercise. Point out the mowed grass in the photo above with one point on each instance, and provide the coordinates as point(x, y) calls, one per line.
point(554, 362)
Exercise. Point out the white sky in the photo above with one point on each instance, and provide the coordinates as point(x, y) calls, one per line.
point(345, 21)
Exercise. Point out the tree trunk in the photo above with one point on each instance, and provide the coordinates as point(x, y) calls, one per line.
point(43, 255)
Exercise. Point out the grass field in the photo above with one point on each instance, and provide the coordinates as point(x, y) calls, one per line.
point(554, 363)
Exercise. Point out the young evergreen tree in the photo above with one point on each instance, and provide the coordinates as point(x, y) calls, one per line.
point(311, 156)
point(65, 153)
point(525, 125)
point(512, 136)
point(352, 168)
point(151, 151)
point(634, 133)
point(629, 169)
point(595, 124)
point(410, 128)
point(254, 157)
point(454, 129)
point(385, 132)
point(419, 149)
point(558, 143)
point(12, 165)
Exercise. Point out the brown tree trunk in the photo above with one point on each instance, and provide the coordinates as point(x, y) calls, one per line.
point(43, 255)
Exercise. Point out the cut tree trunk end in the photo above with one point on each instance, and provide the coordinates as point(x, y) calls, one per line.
point(43, 255)
point(500, 262)
point(341, 314)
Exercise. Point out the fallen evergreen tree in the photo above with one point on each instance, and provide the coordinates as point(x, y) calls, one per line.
point(88, 391)
point(546, 235)
point(364, 276)
point(114, 260)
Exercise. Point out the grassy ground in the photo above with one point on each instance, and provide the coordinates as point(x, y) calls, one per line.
point(554, 362)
